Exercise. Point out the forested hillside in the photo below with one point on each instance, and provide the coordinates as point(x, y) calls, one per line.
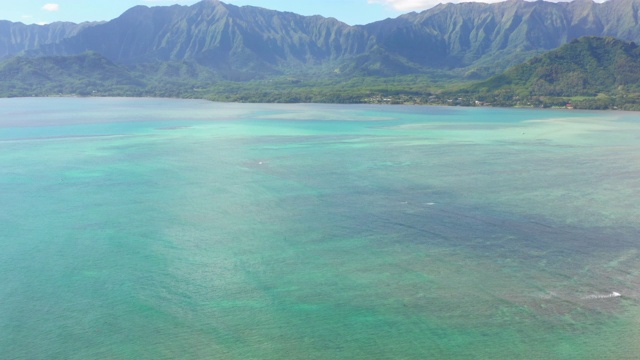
point(592, 72)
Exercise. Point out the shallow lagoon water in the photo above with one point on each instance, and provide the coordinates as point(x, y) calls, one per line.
point(155, 228)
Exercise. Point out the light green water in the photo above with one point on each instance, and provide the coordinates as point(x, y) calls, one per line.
point(160, 229)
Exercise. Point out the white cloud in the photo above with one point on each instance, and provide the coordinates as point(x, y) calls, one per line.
point(51, 7)
point(403, 5)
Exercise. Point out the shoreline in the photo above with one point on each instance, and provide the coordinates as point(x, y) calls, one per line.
point(447, 104)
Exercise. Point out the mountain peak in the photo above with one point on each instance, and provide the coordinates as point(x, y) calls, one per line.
point(211, 4)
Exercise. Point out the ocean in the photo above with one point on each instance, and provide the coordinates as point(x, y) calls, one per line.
point(163, 229)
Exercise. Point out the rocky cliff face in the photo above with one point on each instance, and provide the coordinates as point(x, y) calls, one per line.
point(475, 33)
point(16, 38)
point(218, 35)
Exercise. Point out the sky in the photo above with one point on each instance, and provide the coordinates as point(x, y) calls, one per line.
point(352, 12)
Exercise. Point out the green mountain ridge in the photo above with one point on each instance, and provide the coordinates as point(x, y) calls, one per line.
point(592, 72)
point(18, 38)
point(585, 67)
point(85, 74)
point(240, 43)
point(225, 52)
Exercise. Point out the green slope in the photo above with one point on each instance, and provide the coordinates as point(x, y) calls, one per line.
point(592, 72)
point(85, 74)
point(585, 67)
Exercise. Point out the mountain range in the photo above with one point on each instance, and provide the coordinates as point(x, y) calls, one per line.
point(457, 54)
point(473, 39)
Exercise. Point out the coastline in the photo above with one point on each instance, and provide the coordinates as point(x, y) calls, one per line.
point(404, 100)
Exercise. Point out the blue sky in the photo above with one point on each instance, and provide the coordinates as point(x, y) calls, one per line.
point(46, 11)
point(350, 11)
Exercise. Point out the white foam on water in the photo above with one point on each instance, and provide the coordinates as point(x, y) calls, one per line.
point(607, 296)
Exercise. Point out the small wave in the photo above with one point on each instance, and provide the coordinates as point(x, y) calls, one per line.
point(607, 296)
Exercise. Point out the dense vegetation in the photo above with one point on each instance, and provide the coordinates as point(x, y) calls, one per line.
point(85, 74)
point(588, 73)
point(93, 75)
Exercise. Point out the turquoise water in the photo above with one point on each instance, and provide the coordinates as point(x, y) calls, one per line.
point(159, 229)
